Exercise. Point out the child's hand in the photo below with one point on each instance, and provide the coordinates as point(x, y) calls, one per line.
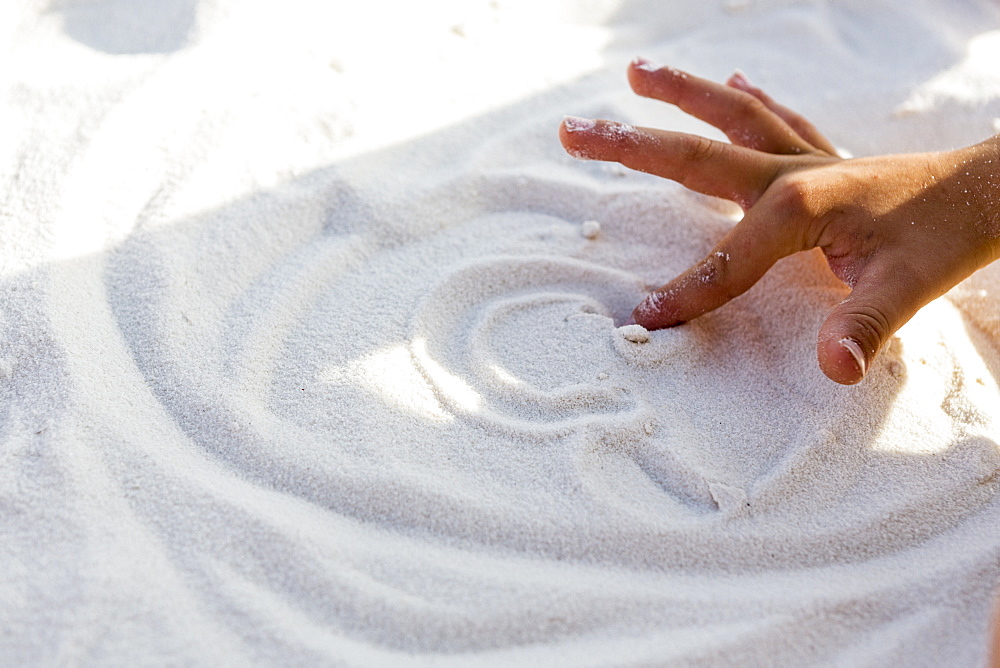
point(900, 230)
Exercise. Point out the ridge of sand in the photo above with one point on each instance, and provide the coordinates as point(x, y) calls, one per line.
point(309, 347)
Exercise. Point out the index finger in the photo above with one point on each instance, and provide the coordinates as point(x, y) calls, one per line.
point(737, 262)
point(710, 167)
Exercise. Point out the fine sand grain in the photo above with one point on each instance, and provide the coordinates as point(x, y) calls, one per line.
point(307, 355)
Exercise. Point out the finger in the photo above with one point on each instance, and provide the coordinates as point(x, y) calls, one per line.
point(741, 116)
point(732, 268)
point(710, 167)
point(797, 122)
point(882, 301)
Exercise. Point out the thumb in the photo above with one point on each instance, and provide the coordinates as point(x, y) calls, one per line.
point(734, 265)
point(857, 328)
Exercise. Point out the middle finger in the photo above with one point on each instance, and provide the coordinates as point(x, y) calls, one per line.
point(742, 117)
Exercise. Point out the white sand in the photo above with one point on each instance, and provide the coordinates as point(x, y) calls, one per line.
point(304, 358)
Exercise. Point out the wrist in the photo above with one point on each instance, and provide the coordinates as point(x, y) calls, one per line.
point(976, 192)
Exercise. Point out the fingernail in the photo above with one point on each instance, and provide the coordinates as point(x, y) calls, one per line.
point(739, 80)
point(578, 124)
point(857, 353)
point(645, 64)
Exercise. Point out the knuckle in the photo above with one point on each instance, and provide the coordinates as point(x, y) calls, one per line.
point(792, 197)
point(748, 107)
point(700, 149)
point(873, 327)
point(714, 272)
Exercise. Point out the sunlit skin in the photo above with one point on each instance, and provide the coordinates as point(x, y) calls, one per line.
point(899, 230)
